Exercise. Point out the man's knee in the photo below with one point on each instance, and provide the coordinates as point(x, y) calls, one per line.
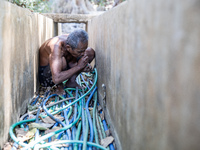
point(90, 53)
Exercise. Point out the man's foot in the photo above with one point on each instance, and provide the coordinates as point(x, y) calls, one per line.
point(60, 90)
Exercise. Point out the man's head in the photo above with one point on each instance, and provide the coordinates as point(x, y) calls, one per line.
point(77, 42)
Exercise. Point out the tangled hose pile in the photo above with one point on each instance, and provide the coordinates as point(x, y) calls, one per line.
point(69, 121)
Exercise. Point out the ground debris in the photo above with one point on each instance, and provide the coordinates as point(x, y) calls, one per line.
point(44, 124)
point(7, 146)
point(108, 133)
point(99, 108)
point(106, 141)
point(102, 115)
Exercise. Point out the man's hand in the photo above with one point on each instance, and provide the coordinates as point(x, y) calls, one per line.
point(88, 68)
point(83, 62)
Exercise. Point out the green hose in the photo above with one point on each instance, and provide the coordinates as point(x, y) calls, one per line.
point(55, 132)
point(87, 74)
point(94, 120)
point(77, 135)
point(103, 131)
point(87, 129)
point(70, 111)
point(70, 141)
point(86, 132)
point(98, 126)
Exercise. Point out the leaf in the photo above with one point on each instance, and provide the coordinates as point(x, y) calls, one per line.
point(30, 134)
point(59, 117)
point(36, 125)
point(30, 108)
point(52, 130)
point(47, 125)
point(49, 120)
point(20, 132)
point(108, 140)
point(7, 146)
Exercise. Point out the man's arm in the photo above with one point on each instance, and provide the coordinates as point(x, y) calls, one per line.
point(56, 62)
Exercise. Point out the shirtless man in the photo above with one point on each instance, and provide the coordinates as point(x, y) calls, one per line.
point(63, 58)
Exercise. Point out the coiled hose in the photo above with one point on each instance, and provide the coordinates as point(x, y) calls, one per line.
point(80, 133)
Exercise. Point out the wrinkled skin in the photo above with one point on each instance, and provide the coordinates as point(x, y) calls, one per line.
point(65, 62)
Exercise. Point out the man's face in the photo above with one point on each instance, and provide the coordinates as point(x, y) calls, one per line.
point(80, 50)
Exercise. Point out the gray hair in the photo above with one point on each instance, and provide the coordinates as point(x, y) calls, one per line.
point(77, 36)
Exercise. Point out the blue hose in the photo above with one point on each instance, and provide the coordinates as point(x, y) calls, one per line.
point(35, 101)
point(105, 129)
point(67, 123)
point(37, 120)
point(80, 145)
point(89, 117)
point(63, 132)
point(84, 81)
point(75, 114)
point(49, 114)
point(83, 116)
point(15, 146)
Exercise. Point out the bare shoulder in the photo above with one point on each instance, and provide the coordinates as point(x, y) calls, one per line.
point(54, 41)
point(63, 36)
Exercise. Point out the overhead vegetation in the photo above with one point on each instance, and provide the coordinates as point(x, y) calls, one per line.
point(66, 6)
point(34, 5)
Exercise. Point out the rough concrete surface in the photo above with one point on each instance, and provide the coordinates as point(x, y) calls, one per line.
point(71, 18)
point(21, 34)
point(148, 56)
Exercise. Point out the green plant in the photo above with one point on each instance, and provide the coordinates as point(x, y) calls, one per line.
point(41, 6)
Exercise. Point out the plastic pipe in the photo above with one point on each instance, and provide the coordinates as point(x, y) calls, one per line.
point(80, 145)
point(49, 114)
point(84, 81)
point(106, 128)
point(77, 135)
point(35, 101)
point(75, 114)
point(67, 123)
point(86, 132)
point(83, 116)
point(71, 141)
point(98, 127)
point(89, 117)
point(25, 115)
point(94, 119)
point(50, 134)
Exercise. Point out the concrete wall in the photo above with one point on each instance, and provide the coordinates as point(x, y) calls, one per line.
point(21, 34)
point(148, 56)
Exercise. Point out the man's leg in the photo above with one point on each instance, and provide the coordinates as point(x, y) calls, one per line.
point(72, 82)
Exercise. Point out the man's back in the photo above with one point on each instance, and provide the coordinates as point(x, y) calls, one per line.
point(47, 47)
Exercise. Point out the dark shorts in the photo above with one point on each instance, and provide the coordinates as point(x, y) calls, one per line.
point(45, 76)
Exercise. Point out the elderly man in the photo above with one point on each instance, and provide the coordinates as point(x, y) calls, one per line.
point(63, 58)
